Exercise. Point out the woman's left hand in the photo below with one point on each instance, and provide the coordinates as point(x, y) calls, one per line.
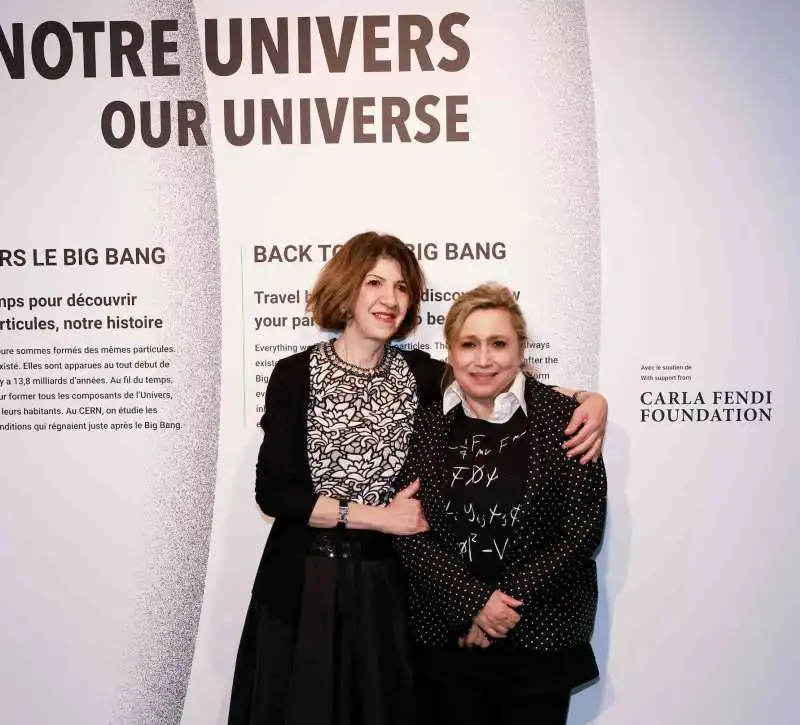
point(587, 428)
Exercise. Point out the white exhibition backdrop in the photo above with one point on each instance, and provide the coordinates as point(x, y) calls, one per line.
point(631, 169)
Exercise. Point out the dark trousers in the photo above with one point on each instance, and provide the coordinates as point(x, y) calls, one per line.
point(467, 701)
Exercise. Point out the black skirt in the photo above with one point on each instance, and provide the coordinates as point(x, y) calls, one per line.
point(347, 660)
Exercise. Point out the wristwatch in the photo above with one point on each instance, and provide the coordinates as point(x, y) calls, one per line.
point(344, 509)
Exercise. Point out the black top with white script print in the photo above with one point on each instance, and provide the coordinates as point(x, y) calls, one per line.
point(486, 471)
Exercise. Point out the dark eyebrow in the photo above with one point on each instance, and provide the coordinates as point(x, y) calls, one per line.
point(383, 279)
point(491, 338)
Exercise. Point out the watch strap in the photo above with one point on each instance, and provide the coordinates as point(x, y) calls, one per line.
point(344, 509)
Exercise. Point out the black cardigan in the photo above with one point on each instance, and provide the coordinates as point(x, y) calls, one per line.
point(549, 563)
point(284, 489)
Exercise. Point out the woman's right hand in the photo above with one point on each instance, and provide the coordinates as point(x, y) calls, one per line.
point(404, 516)
point(476, 637)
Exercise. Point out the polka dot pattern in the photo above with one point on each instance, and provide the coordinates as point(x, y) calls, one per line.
point(550, 560)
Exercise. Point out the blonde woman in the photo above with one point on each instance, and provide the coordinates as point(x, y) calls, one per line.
point(503, 587)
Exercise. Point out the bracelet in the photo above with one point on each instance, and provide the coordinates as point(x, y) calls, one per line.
point(575, 395)
point(344, 509)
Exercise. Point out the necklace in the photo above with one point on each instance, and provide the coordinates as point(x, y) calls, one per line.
point(348, 360)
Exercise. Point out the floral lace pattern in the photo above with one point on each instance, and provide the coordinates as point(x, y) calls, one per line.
point(359, 424)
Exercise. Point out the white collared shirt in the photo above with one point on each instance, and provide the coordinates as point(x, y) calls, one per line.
point(505, 404)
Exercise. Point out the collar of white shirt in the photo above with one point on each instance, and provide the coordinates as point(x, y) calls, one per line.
point(505, 404)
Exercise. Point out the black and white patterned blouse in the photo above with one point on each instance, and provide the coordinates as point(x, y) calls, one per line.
point(359, 424)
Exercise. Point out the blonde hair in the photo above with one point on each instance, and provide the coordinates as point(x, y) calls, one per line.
point(488, 296)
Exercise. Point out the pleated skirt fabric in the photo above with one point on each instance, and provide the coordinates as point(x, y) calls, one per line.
point(347, 661)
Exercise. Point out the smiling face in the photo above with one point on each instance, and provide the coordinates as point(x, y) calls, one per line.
point(382, 302)
point(485, 355)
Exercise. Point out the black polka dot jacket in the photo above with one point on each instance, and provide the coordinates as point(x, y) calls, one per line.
point(549, 564)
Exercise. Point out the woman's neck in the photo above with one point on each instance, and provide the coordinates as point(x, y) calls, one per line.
point(482, 408)
point(359, 351)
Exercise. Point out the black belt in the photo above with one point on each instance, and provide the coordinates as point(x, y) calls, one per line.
point(349, 544)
